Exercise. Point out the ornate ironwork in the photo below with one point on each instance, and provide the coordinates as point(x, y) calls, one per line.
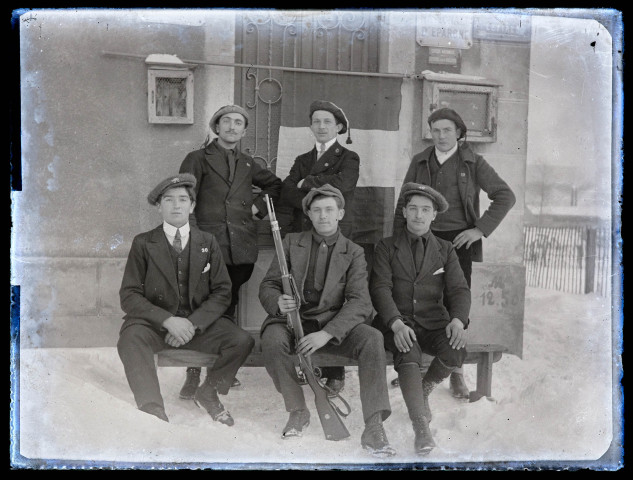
point(319, 40)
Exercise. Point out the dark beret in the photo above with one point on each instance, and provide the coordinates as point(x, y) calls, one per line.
point(449, 114)
point(411, 188)
point(339, 115)
point(180, 180)
point(228, 109)
point(327, 190)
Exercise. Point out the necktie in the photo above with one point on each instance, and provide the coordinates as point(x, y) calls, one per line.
point(230, 158)
point(419, 254)
point(319, 268)
point(177, 242)
point(321, 150)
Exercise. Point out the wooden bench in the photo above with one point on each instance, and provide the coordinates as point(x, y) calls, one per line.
point(484, 355)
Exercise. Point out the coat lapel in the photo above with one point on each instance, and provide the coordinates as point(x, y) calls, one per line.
point(242, 169)
point(330, 157)
point(299, 257)
point(158, 248)
point(432, 260)
point(339, 262)
point(197, 260)
point(403, 255)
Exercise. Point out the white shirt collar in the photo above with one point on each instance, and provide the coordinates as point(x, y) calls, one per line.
point(170, 230)
point(327, 144)
point(443, 156)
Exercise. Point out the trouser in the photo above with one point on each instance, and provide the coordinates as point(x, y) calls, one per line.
point(138, 343)
point(429, 342)
point(363, 343)
point(239, 275)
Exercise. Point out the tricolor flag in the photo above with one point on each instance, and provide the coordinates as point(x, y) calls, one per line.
point(372, 106)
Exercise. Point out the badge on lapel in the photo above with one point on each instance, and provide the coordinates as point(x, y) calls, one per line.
point(205, 250)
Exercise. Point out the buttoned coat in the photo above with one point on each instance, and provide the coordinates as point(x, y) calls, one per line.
point(397, 291)
point(223, 208)
point(338, 166)
point(474, 175)
point(149, 289)
point(344, 301)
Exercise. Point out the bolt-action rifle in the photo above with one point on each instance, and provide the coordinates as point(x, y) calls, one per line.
point(329, 413)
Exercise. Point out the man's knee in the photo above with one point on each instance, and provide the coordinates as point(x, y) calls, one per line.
point(274, 338)
point(452, 357)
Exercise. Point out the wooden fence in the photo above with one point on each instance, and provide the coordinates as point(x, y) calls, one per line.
point(574, 259)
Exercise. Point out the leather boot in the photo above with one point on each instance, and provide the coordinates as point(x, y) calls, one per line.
point(458, 386)
point(423, 442)
point(190, 386)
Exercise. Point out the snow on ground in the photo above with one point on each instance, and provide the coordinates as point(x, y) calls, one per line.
point(555, 404)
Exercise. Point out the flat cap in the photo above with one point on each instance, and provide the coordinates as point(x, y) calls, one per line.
point(411, 188)
point(180, 180)
point(327, 190)
point(227, 109)
point(449, 114)
point(339, 115)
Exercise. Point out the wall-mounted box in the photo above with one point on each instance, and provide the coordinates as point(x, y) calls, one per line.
point(473, 98)
point(169, 90)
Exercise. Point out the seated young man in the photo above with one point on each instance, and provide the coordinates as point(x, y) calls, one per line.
point(174, 293)
point(331, 275)
point(412, 272)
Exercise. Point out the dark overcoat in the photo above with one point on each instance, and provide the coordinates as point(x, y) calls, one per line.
point(397, 291)
point(344, 301)
point(474, 175)
point(149, 290)
point(224, 208)
point(338, 166)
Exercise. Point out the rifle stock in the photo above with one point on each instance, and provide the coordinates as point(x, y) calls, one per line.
point(331, 422)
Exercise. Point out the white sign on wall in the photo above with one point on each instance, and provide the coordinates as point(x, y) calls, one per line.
point(444, 30)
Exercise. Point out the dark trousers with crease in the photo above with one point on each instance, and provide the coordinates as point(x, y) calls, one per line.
point(138, 343)
point(363, 343)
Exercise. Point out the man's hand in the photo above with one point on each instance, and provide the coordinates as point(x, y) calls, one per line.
point(312, 342)
point(467, 237)
point(286, 303)
point(403, 336)
point(180, 331)
point(456, 333)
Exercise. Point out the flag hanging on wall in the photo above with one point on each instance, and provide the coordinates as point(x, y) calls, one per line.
point(372, 106)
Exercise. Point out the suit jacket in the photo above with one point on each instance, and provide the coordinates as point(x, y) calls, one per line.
point(338, 166)
point(223, 208)
point(475, 174)
point(345, 300)
point(397, 291)
point(149, 290)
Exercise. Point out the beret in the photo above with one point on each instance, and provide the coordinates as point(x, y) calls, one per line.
point(227, 109)
point(180, 180)
point(449, 114)
point(411, 188)
point(327, 190)
point(339, 115)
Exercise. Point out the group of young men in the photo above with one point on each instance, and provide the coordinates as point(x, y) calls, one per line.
point(181, 281)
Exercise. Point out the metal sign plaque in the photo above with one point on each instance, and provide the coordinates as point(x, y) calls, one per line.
point(444, 30)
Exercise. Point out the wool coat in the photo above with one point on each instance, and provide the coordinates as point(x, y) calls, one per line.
point(398, 291)
point(223, 208)
point(474, 175)
point(344, 301)
point(149, 290)
point(338, 166)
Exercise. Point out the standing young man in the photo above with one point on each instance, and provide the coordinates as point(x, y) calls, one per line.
point(459, 174)
point(225, 203)
point(327, 163)
point(414, 276)
point(174, 292)
point(331, 276)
